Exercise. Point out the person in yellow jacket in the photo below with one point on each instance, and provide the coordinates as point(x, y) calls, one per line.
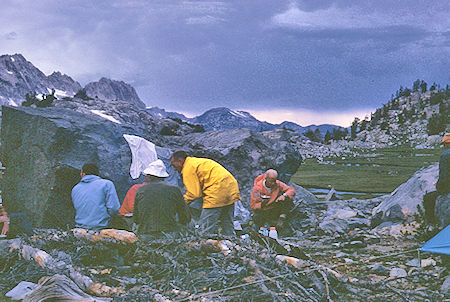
point(206, 179)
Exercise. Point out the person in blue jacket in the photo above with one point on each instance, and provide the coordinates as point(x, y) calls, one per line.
point(94, 199)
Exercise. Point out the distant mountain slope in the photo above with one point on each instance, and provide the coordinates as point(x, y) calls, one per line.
point(223, 118)
point(323, 128)
point(19, 77)
point(159, 113)
point(415, 117)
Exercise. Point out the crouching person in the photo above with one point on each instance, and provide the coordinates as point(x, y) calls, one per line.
point(94, 199)
point(271, 200)
point(158, 204)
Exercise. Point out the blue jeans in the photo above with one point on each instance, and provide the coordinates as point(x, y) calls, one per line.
point(211, 218)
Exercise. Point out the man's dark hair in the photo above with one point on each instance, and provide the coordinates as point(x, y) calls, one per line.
point(180, 154)
point(90, 169)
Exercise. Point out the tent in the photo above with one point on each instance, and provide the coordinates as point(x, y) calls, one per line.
point(439, 244)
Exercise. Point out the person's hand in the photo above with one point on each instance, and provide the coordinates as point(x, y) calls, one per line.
point(281, 198)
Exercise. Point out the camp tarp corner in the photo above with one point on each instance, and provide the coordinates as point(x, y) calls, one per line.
point(439, 244)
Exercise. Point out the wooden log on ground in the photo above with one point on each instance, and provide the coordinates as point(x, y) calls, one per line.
point(106, 235)
point(59, 288)
point(44, 260)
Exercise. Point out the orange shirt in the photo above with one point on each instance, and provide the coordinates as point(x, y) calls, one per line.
point(259, 190)
point(127, 206)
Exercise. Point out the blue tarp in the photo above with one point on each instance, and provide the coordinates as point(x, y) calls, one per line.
point(439, 244)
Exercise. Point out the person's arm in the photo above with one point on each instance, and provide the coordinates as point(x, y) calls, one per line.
point(112, 201)
point(256, 199)
point(184, 215)
point(192, 185)
point(128, 202)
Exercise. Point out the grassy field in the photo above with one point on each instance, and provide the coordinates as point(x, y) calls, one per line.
point(379, 171)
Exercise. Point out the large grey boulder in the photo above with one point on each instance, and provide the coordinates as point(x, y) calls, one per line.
point(43, 151)
point(402, 204)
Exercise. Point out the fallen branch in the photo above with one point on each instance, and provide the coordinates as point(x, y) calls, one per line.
point(44, 260)
point(108, 235)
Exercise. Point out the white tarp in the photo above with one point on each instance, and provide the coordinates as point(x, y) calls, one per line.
point(143, 153)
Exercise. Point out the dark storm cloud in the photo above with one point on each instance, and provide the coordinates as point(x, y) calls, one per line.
point(194, 55)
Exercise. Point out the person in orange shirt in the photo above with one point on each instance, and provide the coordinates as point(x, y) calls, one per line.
point(127, 207)
point(270, 199)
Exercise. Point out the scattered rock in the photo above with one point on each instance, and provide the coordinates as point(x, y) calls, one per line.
point(397, 273)
point(345, 214)
point(378, 268)
point(332, 195)
point(427, 262)
point(413, 262)
point(445, 288)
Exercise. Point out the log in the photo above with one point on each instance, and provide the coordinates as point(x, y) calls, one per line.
point(298, 263)
point(60, 288)
point(44, 260)
point(106, 235)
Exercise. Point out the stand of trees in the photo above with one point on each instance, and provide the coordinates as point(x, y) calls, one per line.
point(31, 99)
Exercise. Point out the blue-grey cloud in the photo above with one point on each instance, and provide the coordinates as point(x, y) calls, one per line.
point(194, 55)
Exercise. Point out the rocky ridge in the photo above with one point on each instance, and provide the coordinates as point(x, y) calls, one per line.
point(108, 90)
point(405, 120)
point(19, 77)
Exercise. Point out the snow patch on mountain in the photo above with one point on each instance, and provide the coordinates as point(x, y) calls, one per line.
point(105, 116)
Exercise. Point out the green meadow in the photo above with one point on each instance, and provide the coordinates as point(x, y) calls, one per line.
point(379, 171)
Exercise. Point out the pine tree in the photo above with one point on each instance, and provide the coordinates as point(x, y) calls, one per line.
point(327, 137)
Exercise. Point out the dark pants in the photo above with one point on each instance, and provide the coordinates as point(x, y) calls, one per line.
point(119, 222)
point(19, 225)
point(271, 216)
point(223, 216)
point(429, 202)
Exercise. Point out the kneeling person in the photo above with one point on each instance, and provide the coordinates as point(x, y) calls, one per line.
point(270, 199)
point(157, 203)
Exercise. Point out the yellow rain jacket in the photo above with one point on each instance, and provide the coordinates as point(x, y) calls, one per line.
point(204, 178)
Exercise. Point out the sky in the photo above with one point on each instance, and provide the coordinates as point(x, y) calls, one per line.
point(306, 61)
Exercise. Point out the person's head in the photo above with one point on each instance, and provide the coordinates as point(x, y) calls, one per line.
point(271, 178)
point(446, 140)
point(177, 160)
point(89, 169)
point(155, 171)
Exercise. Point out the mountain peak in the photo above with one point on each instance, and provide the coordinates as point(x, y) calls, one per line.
point(108, 89)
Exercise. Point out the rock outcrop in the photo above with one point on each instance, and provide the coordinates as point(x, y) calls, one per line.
point(402, 204)
point(106, 89)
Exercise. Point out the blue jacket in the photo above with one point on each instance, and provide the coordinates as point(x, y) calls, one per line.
point(95, 201)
